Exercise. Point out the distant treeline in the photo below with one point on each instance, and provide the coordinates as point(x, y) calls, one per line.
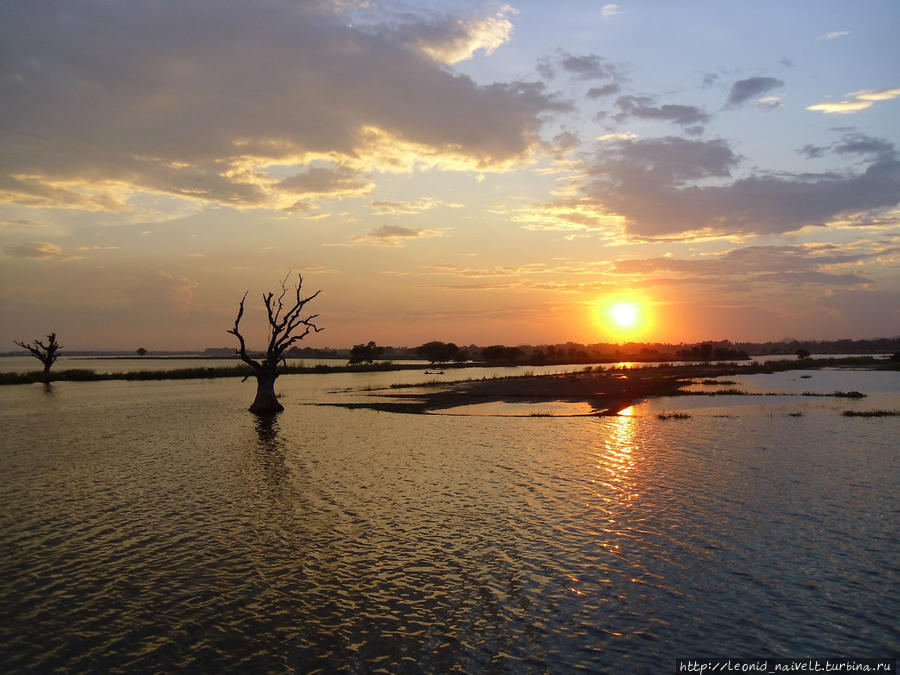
point(713, 368)
point(561, 353)
point(573, 352)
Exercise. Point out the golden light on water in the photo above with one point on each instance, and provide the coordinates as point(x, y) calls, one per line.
point(616, 463)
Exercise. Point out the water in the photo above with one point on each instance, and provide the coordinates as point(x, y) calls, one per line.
point(158, 526)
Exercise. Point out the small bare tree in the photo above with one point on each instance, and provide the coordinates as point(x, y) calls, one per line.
point(288, 324)
point(45, 353)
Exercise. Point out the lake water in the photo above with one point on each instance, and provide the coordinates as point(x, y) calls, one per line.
point(160, 527)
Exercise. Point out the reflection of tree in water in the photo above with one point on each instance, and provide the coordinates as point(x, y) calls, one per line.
point(269, 451)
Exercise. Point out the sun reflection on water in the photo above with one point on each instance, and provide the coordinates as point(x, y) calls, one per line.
point(616, 465)
point(617, 460)
point(615, 484)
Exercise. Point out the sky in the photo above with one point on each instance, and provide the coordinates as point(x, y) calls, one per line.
point(473, 172)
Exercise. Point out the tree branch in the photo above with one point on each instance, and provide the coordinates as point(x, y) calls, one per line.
point(45, 353)
point(236, 331)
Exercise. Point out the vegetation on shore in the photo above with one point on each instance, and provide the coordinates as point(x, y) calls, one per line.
point(871, 413)
point(84, 375)
point(673, 416)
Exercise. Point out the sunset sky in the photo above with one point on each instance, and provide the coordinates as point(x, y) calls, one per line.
point(472, 172)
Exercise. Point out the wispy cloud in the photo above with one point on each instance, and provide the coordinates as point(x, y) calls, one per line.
point(643, 107)
point(582, 67)
point(385, 208)
point(19, 224)
point(605, 90)
point(395, 235)
point(623, 136)
point(834, 35)
point(879, 95)
point(45, 250)
point(576, 214)
point(856, 101)
point(318, 183)
point(797, 265)
point(39, 250)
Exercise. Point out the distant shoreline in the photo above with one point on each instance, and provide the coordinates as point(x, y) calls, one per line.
point(665, 370)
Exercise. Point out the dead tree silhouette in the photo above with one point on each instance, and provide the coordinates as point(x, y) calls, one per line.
point(287, 325)
point(45, 353)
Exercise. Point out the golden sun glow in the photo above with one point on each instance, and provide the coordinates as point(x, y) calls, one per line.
point(624, 314)
point(627, 318)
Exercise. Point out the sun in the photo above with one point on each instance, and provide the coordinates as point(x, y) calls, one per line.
point(624, 314)
point(626, 317)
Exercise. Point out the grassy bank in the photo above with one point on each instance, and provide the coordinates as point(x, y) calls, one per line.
point(240, 370)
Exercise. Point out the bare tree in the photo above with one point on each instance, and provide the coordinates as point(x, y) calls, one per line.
point(288, 324)
point(45, 353)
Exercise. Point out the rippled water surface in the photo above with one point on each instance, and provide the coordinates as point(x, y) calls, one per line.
point(158, 526)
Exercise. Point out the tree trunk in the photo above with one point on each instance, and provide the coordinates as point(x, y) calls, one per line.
point(47, 372)
point(265, 402)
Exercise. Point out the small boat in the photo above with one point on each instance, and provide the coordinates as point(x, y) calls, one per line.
point(434, 372)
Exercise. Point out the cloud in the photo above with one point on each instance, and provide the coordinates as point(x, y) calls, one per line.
point(605, 90)
point(97, 248)
point(627, 136)
point(44, 250)
point(589, 67)
point(862, 101)
point(813, 151)
point(856, 143)
point(566, 215)
point(853, 143)
point(159, 293)
point(879, 95)
point(864, 311)
point(581, 67)
point(609, 10)
point(394, 235)
point(794, 265)
point(840, 107)
point(671, 186)
point(744, 90)
point(316, 183)
point(642, 107)
point(405, 208)
point(19, 224)
point(318, 269)
point(203, 101)
point(834, 35)
point(40, 250)
point(449, 39)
